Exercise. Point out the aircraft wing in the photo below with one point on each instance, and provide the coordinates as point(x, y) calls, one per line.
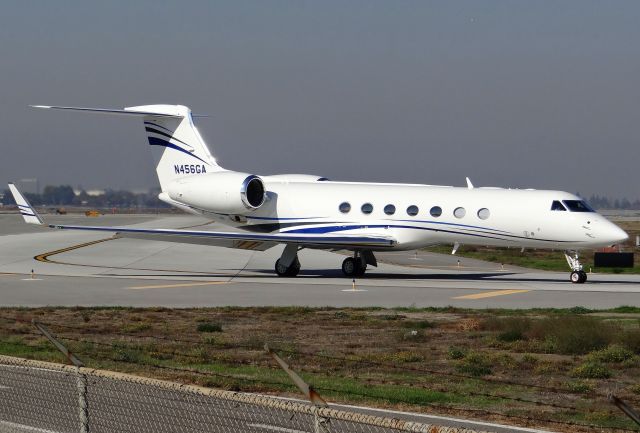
point(259, 241)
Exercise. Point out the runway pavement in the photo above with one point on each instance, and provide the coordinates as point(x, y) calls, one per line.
point(77, 268)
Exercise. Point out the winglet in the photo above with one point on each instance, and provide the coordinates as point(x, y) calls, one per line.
point(28, 212)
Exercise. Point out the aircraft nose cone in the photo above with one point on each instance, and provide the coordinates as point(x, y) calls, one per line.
point(617, 235)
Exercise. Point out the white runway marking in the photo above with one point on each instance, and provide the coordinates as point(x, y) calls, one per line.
point(15, 426)
point(354, 290)
point(31, 279)
point(386, 412)
point(276, 428)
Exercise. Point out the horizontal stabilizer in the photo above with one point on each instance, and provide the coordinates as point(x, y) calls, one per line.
point(26, 210)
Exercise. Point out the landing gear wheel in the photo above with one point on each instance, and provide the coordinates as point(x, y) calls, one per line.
point(353, 268)
point(290, 271)
point(349, 267)
point(583, 276)
point(578, 277)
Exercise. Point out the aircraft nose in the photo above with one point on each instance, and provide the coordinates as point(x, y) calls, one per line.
point(615, 234)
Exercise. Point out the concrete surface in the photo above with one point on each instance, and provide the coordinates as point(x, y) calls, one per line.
point(145, 273)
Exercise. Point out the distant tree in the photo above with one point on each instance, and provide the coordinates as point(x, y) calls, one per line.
point(7, 199)
point(58, 195)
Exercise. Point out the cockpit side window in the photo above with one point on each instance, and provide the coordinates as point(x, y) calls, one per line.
point(577, 206)
point(556, 205)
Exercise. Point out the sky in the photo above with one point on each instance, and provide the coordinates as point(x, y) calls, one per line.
point(526, 94)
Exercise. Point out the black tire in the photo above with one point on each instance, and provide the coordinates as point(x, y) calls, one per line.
point(291, 271)
point(294, 268)
point(583, 277)
point(349, 267)
point(576, 277)
point(360, 268)
point(280, 270)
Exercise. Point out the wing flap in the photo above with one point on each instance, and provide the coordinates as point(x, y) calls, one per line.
point(225, 243)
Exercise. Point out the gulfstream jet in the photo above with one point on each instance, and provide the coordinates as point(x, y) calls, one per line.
point(306, 211)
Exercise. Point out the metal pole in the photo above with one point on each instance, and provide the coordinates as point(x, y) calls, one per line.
point(624, 407)
point(303, 386)
point(83, 409)
point(81, 379)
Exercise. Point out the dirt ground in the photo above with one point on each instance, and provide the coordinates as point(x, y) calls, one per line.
point(543, 368)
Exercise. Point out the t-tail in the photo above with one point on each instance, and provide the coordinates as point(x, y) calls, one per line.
point(176, 145)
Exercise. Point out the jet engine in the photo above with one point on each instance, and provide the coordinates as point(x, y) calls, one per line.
point(227, 192)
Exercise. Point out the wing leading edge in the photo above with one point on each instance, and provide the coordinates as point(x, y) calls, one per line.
point(242, 240)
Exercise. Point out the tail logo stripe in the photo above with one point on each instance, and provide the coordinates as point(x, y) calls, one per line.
point(155, 125)
point(154, 141)
point(171, 137)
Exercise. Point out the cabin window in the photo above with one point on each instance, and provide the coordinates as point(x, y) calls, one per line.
point(413, 210)
point(389, 209)
point(577, 206)
point(436, 211)
point(556, 205)
point(345, 207)
point(484, 213)
point(367, 208)
point(459, 212)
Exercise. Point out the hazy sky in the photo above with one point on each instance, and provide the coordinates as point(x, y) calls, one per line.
point(541, 94)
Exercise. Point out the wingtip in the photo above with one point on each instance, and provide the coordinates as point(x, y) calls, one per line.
point(40, 106)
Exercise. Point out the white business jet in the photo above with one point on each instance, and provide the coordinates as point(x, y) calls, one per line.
point(306, 211)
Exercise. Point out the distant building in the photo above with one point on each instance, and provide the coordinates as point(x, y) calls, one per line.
point(30, 186)
point(90, 192)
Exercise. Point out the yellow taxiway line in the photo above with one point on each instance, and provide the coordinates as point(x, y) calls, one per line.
point(492, 294)
point(170, 286)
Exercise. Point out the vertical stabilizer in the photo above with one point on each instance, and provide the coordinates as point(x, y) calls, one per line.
point(176, 145)
point(175, 142)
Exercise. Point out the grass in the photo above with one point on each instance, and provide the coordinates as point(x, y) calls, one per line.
point(209, 327)
point(423, 359)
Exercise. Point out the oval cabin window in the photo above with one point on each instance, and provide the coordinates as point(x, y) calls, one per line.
point(484, 213)
point(345, 207)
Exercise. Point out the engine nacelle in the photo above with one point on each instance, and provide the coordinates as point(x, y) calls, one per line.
point(228, 192)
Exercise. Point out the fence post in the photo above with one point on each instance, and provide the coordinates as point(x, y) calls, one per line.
point(624, 407)
point(81, 379)
point(319, 422)
point(83, 409)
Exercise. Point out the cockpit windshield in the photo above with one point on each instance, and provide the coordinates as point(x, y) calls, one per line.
point(577, 206)
point(556, 205)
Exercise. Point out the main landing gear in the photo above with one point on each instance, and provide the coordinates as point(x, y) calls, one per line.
point(357, 265)
point(353, 267)
point(288, 271)
point(288, 264)
point(578, 276)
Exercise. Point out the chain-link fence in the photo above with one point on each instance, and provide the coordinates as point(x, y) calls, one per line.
point(45, 397)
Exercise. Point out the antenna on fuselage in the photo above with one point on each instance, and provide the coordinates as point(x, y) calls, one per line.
point(469, 184)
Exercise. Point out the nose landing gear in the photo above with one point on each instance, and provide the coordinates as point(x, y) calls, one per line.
point(578, 276)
